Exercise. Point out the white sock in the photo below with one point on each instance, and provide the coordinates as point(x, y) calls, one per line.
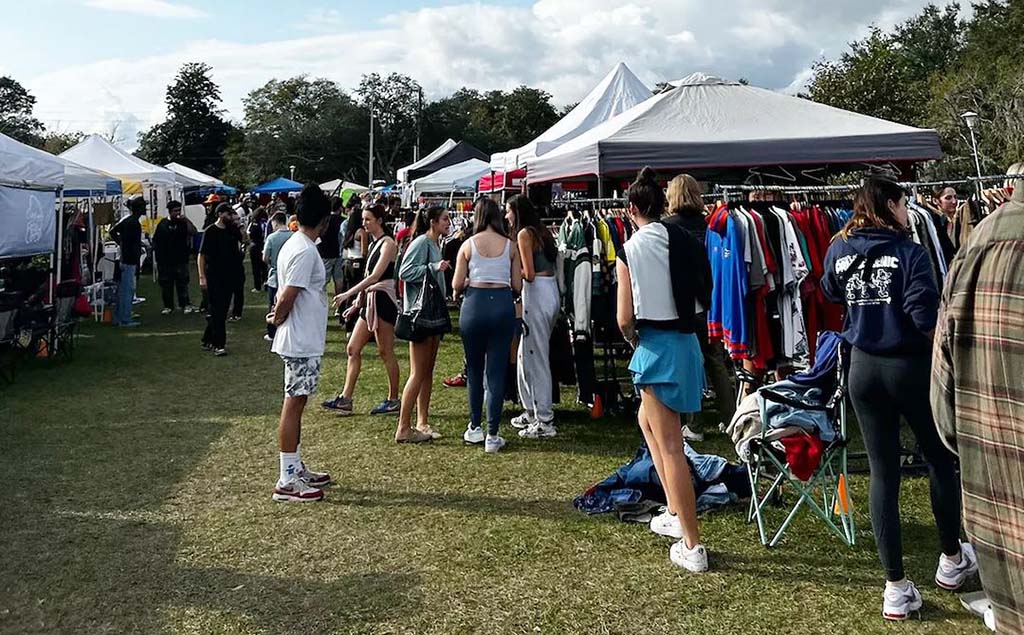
point(291, 465)
point(900, 584)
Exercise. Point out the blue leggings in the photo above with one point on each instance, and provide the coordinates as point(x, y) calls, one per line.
point(486, 324)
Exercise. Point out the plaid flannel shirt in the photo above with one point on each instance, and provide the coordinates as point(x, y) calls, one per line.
point(978, 399)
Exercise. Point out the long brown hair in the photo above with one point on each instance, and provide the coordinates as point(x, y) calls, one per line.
point(528, 218)
point(871, 206)
point(424, 218)
point(487, 215)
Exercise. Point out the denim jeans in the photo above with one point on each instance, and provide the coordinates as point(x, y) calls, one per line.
point(125, 294)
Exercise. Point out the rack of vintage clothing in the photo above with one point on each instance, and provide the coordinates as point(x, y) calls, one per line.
point(955, 229)
point(592, 232)
point(767, 260)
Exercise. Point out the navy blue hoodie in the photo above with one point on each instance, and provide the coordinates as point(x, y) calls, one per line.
point(890, 310)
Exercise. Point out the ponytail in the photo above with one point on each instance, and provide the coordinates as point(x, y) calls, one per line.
point(424, 218)
point(647, 195)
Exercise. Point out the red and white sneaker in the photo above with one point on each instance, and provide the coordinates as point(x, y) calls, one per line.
point(898, 603)
point(297, 491)
point(318, 480)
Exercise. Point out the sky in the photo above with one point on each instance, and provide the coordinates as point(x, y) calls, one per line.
point(97, 64)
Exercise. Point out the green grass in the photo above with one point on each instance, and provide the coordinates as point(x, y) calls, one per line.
point(138, 501)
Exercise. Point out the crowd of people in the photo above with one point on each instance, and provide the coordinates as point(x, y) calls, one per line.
point(941, 361)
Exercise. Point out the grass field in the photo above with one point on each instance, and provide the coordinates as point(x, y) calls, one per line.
point(138, 501)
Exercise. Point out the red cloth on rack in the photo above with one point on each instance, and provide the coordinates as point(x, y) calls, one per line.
point(803, 454)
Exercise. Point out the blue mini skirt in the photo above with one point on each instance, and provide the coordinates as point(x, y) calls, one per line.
point(672, 365)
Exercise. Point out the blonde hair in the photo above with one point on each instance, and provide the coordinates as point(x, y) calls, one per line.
point(684, 194)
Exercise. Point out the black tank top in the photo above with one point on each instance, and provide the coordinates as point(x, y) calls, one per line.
point(371, 261)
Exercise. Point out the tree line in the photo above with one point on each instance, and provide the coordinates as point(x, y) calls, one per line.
point(925, 72)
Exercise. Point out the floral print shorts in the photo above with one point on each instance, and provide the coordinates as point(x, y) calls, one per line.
point(301, 376)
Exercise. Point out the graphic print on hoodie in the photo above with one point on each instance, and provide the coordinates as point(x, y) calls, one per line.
point(885, 280)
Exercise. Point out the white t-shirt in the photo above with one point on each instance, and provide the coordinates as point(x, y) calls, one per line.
point(304, 331)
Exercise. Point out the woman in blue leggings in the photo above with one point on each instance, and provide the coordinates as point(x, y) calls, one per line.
point(487, 270)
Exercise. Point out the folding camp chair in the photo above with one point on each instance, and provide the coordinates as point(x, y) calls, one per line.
point(60, 337)
point(770, 470)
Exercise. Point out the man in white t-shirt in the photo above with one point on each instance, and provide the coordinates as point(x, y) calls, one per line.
point(300, 315)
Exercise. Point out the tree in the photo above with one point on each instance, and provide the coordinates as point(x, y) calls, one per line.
point(16, 106)
point(394, 102)
point(309, 123)
point(873, 78)
point(58, 142)
point(195, 132)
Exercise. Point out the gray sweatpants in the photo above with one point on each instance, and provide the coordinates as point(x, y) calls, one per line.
point(540, 311)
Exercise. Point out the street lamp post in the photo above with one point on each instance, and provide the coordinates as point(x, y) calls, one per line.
point(971, 119)
point(291, 169)
point(370, 169)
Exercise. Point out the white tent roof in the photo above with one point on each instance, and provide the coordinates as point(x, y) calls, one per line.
point(441, 150)
point(97, 153)
point(23, 166)
point(338, 184)
point(619, 91)
point(707, 122)
point(459, 177)
point(193, 175)
point(78, 177)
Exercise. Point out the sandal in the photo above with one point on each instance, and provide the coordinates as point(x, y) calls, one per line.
point(415, 436)
point(430, 431)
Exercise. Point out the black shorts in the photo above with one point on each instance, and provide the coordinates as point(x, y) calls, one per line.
point(387, 310)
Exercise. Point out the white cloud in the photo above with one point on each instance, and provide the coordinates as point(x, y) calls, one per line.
point(551, 45)
point(152, 8)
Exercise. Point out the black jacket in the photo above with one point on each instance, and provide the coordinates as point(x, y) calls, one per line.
point(172, 242)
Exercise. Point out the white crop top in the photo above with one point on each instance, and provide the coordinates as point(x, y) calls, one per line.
point(490, 270)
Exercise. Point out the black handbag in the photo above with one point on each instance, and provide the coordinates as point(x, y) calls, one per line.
point(428, 316)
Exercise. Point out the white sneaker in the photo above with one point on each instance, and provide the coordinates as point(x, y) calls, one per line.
point(666, 524)
point(493, 444)
point(523, 421)
point(296, 491)
point(990, 619)
point(694, 560)
point(166, 311)
point(690, 435)
point(539, 430)
point(951, 575)
point(190, 309)
point(473, 435)
point(267, 338)
point(898, 604)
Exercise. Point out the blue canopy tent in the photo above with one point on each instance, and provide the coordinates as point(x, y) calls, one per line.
point(280, 184)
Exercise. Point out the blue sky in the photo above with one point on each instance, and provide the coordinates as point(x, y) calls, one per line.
point(97, 64)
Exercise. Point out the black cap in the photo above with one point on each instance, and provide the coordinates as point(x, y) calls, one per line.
point(173, 204)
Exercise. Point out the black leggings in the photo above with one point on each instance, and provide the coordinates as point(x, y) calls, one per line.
point(882, 389)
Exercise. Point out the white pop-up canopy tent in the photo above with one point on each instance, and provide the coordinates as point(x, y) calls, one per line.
point(461, 177)
point(158, 184)
point(29, 181)
point(185, 172)
point(619, 91)
point(707, 122)
point(99, 154)
point(339, 185)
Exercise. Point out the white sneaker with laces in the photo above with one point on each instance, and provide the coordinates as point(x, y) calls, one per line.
point(694, 560)
point(898, 603)
point(690, 435)
point(666, 524)
point(476, 436)
point(523, 421)
point(493, 444)
point(166, 311)
point(539, 430)
point(297, 491)
point(951, 575)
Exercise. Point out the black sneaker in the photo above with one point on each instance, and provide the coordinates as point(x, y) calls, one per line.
point(207, 347)
point(219, 352)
